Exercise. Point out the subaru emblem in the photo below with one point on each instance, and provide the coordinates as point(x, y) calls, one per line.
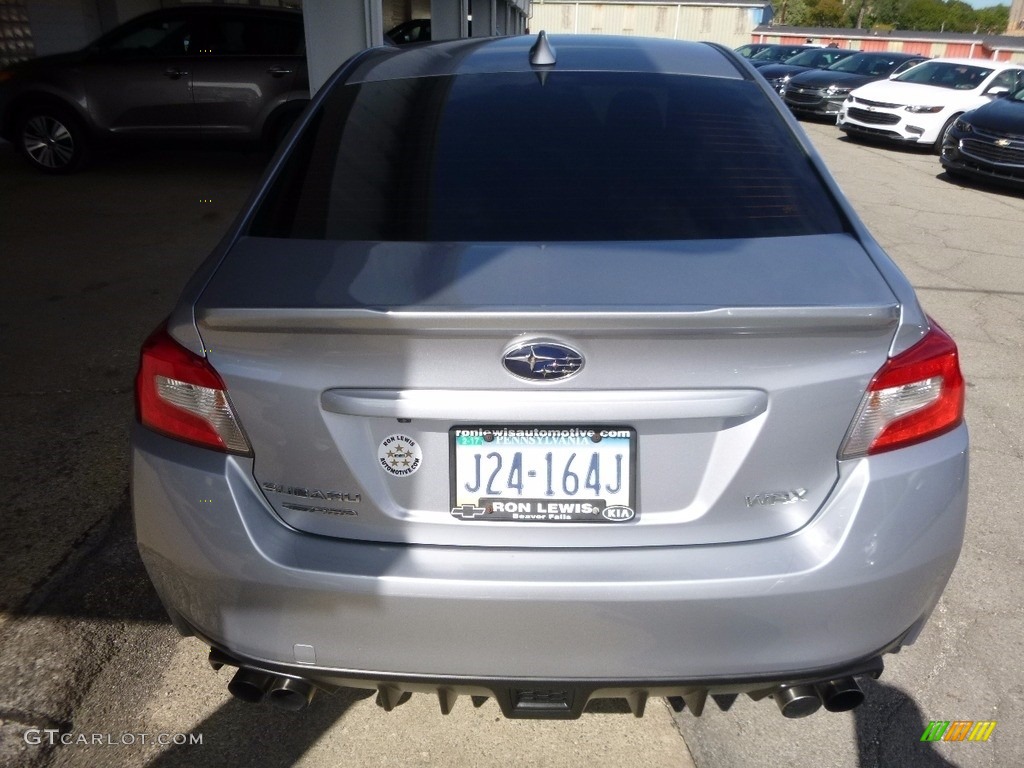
point(542, 361)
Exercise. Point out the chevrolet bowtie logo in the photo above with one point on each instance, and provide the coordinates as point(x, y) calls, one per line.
point(468, 511)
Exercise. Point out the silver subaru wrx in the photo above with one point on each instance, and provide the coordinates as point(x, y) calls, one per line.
point(550, 370)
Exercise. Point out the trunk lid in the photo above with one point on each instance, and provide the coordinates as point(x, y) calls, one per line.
point(732, 370)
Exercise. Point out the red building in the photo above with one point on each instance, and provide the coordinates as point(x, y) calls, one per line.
point(935, 44)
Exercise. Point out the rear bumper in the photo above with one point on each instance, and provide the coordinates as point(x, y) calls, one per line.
point(848, 585)
point(550, 698)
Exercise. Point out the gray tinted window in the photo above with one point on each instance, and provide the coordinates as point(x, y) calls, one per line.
point(159, 36)
point(570, 156)
point(259, 36)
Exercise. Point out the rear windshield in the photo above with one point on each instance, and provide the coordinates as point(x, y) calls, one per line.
point(552, 156)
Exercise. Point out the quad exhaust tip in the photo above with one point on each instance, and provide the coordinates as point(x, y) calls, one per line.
point(797, 701)
point(294, 694)
point(250, 685)
point(839, 695)
point(289, 693)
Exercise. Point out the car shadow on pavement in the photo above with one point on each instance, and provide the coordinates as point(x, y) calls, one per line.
point(105, 604)
point(102, 582)
point(888, 146)
point(889, 729)
point(84, 639)
point(238, 733)
point(980, 185)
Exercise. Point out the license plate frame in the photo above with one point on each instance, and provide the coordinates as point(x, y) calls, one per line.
point(543, 473)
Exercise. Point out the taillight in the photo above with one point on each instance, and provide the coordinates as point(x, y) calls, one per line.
point(917, 395)
point(179, 394)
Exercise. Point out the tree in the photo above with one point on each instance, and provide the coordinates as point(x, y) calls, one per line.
point(994, 20)
point(921, 15)
point(960, 17)
point(924, 15)
point(793, 13)
point(885, 12)
point(815, 13)
point(826, 13)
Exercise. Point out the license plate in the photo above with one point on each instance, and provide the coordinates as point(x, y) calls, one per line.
point(543, 474)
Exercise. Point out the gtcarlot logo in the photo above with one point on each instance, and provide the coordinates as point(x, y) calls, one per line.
point(53, 737)
point(958, 730)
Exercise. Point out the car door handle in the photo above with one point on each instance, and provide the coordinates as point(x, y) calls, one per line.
point(174, 73)
point(279, 71)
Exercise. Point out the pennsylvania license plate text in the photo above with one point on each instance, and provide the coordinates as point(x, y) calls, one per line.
point(548, 474)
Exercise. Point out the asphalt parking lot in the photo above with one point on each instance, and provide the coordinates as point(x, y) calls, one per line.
point(92, 262)
point(960, 246)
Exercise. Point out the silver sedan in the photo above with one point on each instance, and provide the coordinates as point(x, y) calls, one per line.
point(550, 370)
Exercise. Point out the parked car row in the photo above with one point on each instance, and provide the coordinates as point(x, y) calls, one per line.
point(821, 93)
point(805, 61)
point(236, 73)
point(920, 105)
point(969, 111)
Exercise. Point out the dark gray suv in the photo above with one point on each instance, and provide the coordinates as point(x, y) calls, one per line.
point(219, 72)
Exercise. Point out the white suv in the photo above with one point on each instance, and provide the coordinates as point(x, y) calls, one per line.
point(919, 105)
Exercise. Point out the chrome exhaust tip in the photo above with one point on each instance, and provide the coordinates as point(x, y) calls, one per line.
point(797, 701)
point(840, 695)
point(291, 693)
point(249, 685)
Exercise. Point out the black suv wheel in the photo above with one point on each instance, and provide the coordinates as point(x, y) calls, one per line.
point(52, 139)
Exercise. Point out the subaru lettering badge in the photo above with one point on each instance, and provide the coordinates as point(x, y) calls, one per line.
point(542, 361)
